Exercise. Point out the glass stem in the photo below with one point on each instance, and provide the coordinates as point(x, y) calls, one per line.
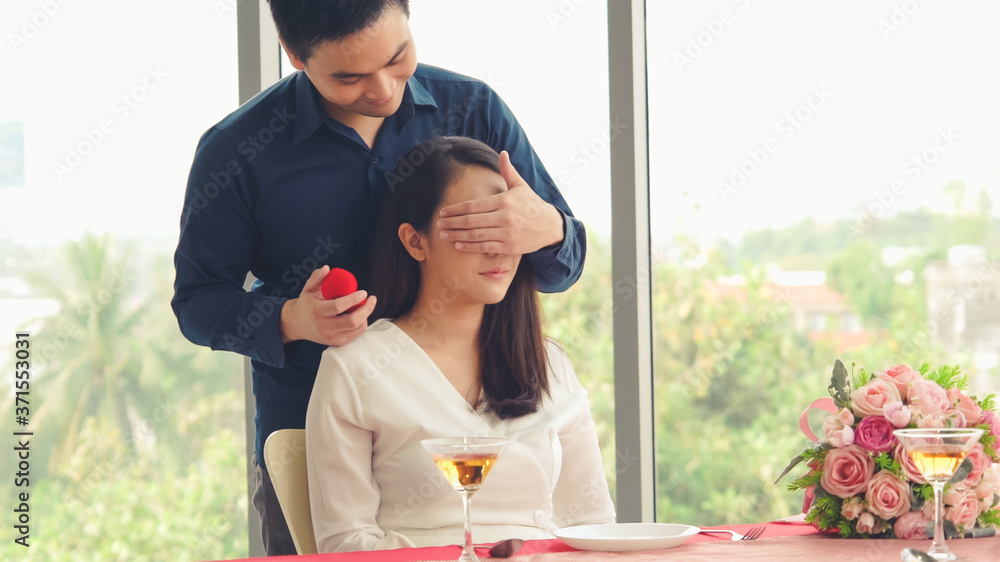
point(938, 549)
point(468, 553)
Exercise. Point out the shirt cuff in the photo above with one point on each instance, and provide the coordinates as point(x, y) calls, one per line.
point(560, 251)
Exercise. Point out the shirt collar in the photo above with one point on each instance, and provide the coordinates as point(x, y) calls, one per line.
point(311, 113)
point(420, 94)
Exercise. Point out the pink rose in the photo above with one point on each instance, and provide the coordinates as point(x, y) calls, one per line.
point(838, 434)
point(887, 495)
point(897, 413)
point(847, 471)
point(991, 419)
point(988, 490)
point(870, 398)
point(910, 470)
point(901, 376)
point(866, 523)
point(966, 406)
point(874, 433)
point(912, 526)
point(980, 462)
point(852, 508)
point(928, 510)
point(990, 482)
point(842, 438)
point(962, 506)
point(945, 418)
point(927, 397)
point(846, 417)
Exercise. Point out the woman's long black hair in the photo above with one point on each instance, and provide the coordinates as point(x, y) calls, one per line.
point(511, 346)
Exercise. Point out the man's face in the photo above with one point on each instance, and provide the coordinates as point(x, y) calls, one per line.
point(365, 74)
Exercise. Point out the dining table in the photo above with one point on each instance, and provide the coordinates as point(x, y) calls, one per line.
point(789, 539)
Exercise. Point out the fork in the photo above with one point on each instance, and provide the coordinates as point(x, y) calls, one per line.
point(753, 533)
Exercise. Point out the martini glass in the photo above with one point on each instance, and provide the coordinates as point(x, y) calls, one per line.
point(465, 462)
point(937, 454)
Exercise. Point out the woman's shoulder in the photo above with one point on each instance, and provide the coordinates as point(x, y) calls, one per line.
point(379, 345)
point(562, 376)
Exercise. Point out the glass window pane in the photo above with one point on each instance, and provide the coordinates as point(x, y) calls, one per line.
point(138, 445)
point(550, 67)
point(822, 180)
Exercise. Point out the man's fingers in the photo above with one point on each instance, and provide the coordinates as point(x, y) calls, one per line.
point(315, 280)
point(344, 303)
point(465, 222)
point(489, 247)
point(345, 328)
point(475, 206)
point(508, 171)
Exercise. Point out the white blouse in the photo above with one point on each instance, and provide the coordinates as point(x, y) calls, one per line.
point(372, 486)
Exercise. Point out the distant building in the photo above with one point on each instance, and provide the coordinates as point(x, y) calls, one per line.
point(963, 303)
point(818, 311)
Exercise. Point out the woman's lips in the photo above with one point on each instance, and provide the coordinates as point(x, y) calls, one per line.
point(496, 273)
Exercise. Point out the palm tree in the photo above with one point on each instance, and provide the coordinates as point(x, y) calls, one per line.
point(85, 353)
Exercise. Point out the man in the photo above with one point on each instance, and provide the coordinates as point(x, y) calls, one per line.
point(289, 184)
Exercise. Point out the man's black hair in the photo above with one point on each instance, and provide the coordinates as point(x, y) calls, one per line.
point(305, 24)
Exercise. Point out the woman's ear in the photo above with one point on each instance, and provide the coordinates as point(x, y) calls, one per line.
point(414, 243)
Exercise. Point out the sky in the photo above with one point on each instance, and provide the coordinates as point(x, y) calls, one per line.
point(825, 105)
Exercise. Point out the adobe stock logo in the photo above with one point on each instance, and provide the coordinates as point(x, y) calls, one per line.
point(788, 126)
point(250, 148)
point(32, 25)
point(121, 109)
point(702, 40)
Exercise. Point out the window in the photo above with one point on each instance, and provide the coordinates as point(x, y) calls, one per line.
point(554, 78)
point(95, 146)
point(817, 322)
point(852, 139)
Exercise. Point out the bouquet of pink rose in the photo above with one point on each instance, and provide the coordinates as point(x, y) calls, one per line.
point(862, 483)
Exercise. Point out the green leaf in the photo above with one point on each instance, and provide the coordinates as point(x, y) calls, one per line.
point(825, 512)
point(917, 499)
point(811, 452)
point(840, 388)
point(988, 440)
point(925, 490)
point(811, 478)
point(862, 377)
point(963, 471)
point(990, 518)
point(885, 461)
point(948, 376)
point(988, 402)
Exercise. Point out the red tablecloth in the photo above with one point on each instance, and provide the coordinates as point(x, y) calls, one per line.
point(776, 529)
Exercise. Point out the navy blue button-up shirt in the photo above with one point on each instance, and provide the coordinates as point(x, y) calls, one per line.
point(278, 188)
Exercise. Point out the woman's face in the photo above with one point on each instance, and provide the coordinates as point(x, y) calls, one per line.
point(472, 277)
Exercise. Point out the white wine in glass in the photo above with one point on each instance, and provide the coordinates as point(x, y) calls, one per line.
point(465, 463)
point(937, 453)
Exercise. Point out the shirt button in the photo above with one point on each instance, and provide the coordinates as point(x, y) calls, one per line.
point(375, 160)
point(539, 517)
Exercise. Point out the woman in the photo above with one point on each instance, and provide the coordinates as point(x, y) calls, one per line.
point(456, 350)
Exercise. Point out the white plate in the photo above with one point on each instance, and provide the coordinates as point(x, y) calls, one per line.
point(621, 537)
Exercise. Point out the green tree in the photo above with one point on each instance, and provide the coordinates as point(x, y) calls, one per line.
point(146, 428)
point(859, 273)
point(731, 376)
point(85, 354)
